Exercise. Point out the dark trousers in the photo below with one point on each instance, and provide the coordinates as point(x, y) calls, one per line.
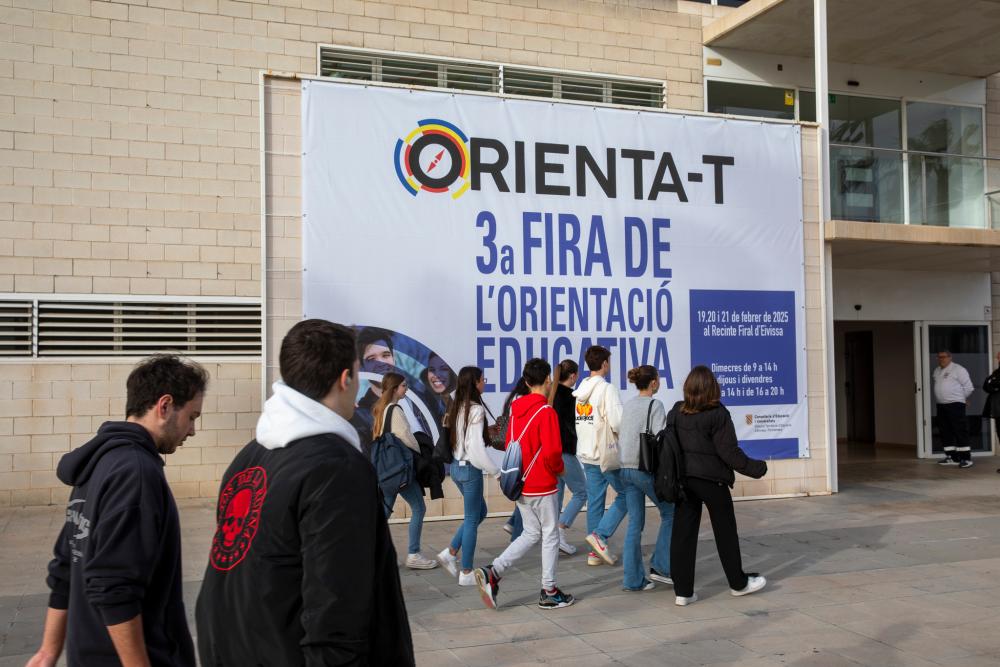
point(954, 429)
point(684, 539)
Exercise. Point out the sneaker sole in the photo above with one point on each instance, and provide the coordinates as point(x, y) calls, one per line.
point(603, 555)
point(747, 592)
point(557, 606)
point(484, 591)
point(662, 580)
point(427, 566)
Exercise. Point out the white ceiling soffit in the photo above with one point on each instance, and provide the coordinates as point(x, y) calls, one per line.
point(956, 37)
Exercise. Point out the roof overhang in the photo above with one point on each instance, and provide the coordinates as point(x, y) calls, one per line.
point(956, 37)
point(867, 245)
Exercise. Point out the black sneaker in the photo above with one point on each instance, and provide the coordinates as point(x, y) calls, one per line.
point(489, 585)
point(555, 599)
point(967, 463)
point(947, 461)
point(662, 578)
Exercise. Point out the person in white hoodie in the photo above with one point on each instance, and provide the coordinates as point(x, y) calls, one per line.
point(388, 417)
point(598, 418)
point(466, 419)
point(301, 569)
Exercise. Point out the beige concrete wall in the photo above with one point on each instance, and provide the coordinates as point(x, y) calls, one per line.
point(128, 131)
point(47, 409)
point(284, 304)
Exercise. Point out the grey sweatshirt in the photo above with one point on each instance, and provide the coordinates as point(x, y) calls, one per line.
point(634, 424)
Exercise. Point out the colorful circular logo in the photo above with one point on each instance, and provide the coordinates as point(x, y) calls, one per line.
point(238, 517)
point(434, 158)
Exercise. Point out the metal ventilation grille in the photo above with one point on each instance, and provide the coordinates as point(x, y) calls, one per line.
point(15, 328)
point(78, 328)
point(487, 77)
point(408, 70)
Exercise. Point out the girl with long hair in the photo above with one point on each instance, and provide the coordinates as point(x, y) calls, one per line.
point(388, 417)
point(641, 414)
point(466, 420)
point(561, 398)
point(711, 452)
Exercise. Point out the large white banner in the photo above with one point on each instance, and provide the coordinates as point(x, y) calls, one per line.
point(457, 230)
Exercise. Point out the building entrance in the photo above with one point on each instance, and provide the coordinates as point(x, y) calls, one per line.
point(885, 391)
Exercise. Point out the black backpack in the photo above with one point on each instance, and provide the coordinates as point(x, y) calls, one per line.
point(668, 481)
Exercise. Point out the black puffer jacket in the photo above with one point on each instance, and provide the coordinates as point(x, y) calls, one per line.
point(711, 451)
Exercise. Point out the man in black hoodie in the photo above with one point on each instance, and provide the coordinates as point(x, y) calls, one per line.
point(302, 570)
point(116, 575)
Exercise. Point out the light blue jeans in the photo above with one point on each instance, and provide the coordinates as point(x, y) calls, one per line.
point(413, 494)
point(639, 486)
point(599, 521)
point(469, 480)
point(573, 478)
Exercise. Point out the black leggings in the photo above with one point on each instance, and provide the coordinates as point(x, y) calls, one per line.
point(684, 539)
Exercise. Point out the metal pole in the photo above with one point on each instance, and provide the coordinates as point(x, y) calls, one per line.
point(825, 251)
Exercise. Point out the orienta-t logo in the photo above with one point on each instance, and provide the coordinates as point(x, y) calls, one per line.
point(434, 158)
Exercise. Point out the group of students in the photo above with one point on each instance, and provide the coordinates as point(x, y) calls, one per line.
point(302, 568)
point(586, 441)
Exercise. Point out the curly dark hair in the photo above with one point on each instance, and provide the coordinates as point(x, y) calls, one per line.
point(161, 375)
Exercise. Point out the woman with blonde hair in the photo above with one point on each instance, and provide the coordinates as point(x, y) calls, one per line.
point(388, 417)
point(711, 453)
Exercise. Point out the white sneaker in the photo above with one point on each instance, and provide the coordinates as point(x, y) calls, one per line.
point(755, 582)
point(600, 548)
point(467, 579)
point(418, 562)
point(594, 559)
point(683, 602)
point(449, 562)
point(565, 546)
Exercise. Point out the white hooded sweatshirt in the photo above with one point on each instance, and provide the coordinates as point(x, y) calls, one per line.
point(289, 416)
point(596, 400)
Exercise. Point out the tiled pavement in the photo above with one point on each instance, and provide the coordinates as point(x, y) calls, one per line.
point(901, 568)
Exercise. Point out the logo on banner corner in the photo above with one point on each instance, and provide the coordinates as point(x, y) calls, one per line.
point(434, 157)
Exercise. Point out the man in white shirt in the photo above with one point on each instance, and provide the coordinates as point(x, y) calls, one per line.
point(952, 388)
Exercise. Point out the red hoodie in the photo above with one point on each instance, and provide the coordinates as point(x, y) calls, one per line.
point(543, 432)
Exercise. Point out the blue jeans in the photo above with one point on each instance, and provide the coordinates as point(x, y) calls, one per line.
point(414, 497)
point(639, 486)
point(469, 480)
point(599, 521)
point(574, 479)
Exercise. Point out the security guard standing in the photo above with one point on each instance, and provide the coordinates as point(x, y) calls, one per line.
point(952, 388)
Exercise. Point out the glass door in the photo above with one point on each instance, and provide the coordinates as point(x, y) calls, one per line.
point(969, 344)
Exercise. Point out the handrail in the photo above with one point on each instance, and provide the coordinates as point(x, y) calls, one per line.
point(911, 152)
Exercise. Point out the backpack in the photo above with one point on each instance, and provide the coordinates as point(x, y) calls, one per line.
point(511, 476)
point(668, 480)
point(392, 460)
point(428, 471)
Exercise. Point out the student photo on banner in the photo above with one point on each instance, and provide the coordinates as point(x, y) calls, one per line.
point(430, 379)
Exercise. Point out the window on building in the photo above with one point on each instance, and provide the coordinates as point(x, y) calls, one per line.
point(742, 99)
point(866, 183)
point(945, 189)
point(431, 72)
